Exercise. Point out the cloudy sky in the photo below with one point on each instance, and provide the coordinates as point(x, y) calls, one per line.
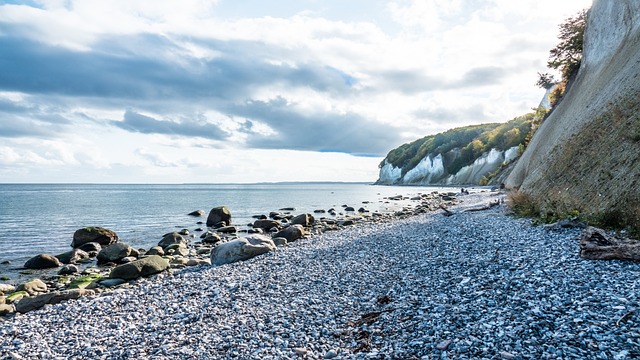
point(149, 91)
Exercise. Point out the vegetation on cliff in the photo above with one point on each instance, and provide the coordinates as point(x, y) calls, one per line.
point(472, 141)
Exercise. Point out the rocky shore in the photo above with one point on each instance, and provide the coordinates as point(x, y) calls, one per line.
point(474, 284)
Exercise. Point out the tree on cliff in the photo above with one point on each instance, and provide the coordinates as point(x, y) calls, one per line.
point(566, 56)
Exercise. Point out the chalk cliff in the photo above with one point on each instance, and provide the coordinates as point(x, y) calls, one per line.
point(586, 156)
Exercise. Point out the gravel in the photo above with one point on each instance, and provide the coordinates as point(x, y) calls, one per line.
point(470, 286)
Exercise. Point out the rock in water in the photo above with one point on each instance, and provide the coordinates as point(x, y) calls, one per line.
point(114, 253)
point(241, 249)
point(42, 261)
point(291, 233)
point(73, 256)
point(146, 266)
point(218, 214)
point(266, 224)
point(102, 236)
point(170, 239)
point(197, 213)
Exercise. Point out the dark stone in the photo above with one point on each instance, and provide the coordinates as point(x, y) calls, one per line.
point(69, 269)
point(42, 261)
point(291, 233)
point(170, 239)
point(73, 256)
point(288, 209)
point(303, 219)
point(114, 253)
point(219, 214)
point(102, 236)
point(197, 213)
point(35, 302)
point(349, 208)
point(142, 267)
point(260, 217)
point(228, 230)
point(266, 224)
point(90, 247)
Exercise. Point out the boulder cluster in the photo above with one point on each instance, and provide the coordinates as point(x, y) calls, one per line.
point(100, 261)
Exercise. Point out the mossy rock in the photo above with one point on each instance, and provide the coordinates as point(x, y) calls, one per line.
point(83, 282)
point(15, 296)
point(4, 278)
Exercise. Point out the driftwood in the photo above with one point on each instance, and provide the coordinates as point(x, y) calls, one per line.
point(485, 207)
point(446, 211)
point(595, 244)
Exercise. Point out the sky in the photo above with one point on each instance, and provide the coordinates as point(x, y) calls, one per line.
point(243, 91)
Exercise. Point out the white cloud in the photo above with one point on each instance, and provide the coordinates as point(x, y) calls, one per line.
point(148, 87)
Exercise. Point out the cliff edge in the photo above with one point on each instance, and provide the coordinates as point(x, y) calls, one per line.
point(586, 156)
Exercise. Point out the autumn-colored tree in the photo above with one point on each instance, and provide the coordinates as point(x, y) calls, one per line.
point(567, 55)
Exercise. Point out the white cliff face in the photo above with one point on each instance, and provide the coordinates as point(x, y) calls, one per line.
point(511, 154)
point(471, 174)
point(431, 171)
point(389, 174)
point(427, 171)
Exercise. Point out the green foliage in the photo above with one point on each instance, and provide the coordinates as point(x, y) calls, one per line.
point(567, 55)
point(546, 81)
point(471, 141)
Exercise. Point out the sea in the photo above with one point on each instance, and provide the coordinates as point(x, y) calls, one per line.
point(41, 218)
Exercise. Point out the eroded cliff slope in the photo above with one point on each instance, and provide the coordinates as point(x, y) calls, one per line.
point(586, 156)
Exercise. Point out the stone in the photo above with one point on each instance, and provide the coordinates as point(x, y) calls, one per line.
point(69, 269)
point(102, 236)
point(184, 232)
point(303, 219)
point(197, 213)
point(280, 241)
point(90, 247)
point(36, 302)
point(145, 266)
point(301, 351)
point(507, 355)
point(228, 230)
point(177, 249)
point(291, 233)
point(349, 208)
point(170, 239)
point(7, 288)
point(111, 282)
point(42, 261)
point(6, 309)
point(218, 214)
point(212, 239)
point(266, 224)
point(114, 253)
point(241, 249)
point(444, 344)
point(156, 250)
point(73, 256)
point(331, 354)
point(33, 287)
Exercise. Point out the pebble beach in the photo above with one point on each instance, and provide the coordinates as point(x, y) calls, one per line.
point(474, 285)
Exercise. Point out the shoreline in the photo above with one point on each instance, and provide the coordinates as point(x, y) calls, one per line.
point(472, 285)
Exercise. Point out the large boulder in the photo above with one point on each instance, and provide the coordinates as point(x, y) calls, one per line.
point(291, 233)
point(241, 249)
point(303, 219)
point(115, 253)
point(102, 236)
point(42, 261)
point(35, 302)
point(146, 266)
point(219, 214)
point(171, 239)
point(73, 256)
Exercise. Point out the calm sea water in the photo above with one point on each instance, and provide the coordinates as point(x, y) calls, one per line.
point(41, 218)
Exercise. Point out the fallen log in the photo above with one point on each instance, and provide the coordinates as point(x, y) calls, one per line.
point(485, 207)
point(595, 244)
